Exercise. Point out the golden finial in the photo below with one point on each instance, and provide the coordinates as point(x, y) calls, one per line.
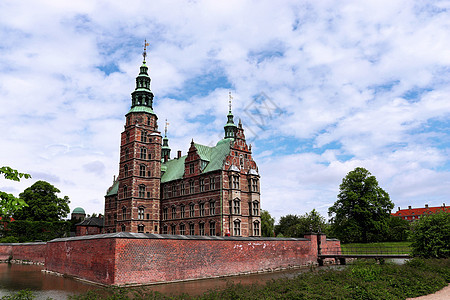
point(229, 101)
point(165, 128)
point(145, 49)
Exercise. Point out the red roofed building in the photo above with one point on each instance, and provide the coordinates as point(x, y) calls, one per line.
point(412, 214)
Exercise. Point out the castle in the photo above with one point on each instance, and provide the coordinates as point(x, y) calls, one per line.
point(210, 191)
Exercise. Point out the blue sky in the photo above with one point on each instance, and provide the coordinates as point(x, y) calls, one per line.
point(321, 87)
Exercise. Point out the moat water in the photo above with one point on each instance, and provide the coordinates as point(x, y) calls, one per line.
point(15, 277)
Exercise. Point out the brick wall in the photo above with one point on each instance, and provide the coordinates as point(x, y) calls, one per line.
point(133, 258)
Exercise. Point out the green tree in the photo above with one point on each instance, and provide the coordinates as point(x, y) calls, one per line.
point(267, 224)
point(8, 203)
point(43, 203)
point(298, 226)
point(430, 236)
point(398, 229)
point(362, 211)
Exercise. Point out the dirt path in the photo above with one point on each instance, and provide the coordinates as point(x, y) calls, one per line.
point(443, 294)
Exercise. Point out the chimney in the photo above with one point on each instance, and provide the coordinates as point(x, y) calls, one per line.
point(114, 178)
point(409, 206)
point(179, 154)
point(399, 208)
point(426, 205)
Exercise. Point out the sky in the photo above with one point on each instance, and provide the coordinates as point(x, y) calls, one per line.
point(321, 87)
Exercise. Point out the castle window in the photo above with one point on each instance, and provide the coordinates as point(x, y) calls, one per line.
point(191, 168)
point(192, 229)
point(165, 213)
point(212, 183)
point(254, 185)
point(255, 208)
point(148, 121)
point(236, 206)
point(124, 213)
point(125, 170)
point(143, 153)
point(166, 191)
point(148, 216)
point(201, 228)
point(144, 137)
point(125, 191)
point(141, 228)
point(212, 228)
point(202, 184)
point(124, 228)
point(182, 229)
point(127, 153)
point(172, 229)
point(191, 187)
point(141, 213)
point(127, 137)
point(212, 208)
point(142, 170)
point(174, 190)
point(164, 229)
point(174, 212)
point(182, 188)
point(235, 182)
point(201, 208)
point(237, 227)
point(142, 191)
point(256, 228)
point(191, 210)
point(109, 219)
point(182, 207)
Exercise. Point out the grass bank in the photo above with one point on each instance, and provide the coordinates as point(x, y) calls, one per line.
point(362, 280)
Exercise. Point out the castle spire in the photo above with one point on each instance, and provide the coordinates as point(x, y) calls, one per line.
point(142, 97)
point(165, 149)
point(230, 127)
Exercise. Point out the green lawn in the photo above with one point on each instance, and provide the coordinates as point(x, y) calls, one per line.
point(377, 248)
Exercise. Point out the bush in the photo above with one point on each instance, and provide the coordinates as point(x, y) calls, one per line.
point(9, 239)
point(430, 236)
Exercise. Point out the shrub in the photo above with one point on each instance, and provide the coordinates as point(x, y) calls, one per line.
point(430, 236)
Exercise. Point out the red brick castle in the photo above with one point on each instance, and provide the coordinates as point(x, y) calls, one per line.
point(210, 191)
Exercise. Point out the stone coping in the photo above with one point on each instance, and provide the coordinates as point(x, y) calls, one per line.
point(129, 235)
point(25, 244)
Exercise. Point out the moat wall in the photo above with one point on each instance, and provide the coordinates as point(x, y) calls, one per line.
point(132, 258)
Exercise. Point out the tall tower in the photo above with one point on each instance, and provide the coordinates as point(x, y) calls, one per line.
point(136, 206)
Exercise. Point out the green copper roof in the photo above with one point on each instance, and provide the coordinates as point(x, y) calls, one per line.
point(141, 108)
point(79, 210)
point(213, 156)
point(114, 189)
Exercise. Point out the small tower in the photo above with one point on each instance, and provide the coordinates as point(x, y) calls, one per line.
point(165, 149)
point(230, 127)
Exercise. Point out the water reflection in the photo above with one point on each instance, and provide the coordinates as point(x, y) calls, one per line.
point(18, 277)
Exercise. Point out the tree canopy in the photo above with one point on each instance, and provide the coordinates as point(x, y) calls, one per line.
point(43, 203)
point(298, 226)
point(8, 203)
point(430, 236)
point(362, 210)
point(267, 224)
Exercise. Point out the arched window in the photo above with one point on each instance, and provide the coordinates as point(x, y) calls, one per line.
point(212, 228)
point(212, 208)
point(141, 228)
point(182, 229)
point(201, 228)
point(143, 153)
point(255, 208)
point(123, 228)
point(142, 191)
point(164, 229)
point(174, 212)
point(127, 153)
point(173, 229)
point(124, 213)
point(142, 170)
point(191, 210)
point(256, 228)
point(125, 170)
point(237, 227)
point(144, 137)
point(236, 206)
point(165, 213)
point(125, 191)
point(141, 213)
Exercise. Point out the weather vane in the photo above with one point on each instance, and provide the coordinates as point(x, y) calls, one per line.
point(165, 129)
point(230, 98)
point(145, 49)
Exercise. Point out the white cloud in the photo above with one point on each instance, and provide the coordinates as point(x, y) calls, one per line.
point(357, 84)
